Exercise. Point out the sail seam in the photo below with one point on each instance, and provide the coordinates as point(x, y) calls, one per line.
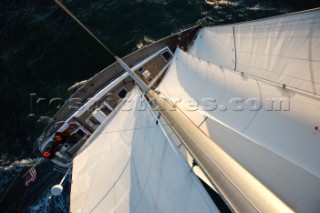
point(234, 48)
point(181, 158)
point(310, 62)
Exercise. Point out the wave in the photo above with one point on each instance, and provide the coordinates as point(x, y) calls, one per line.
point(41, 46)
point(6, 166)
point(44, 119)
point(9, 170)
point(77, 85)
point(48, 203)
point(145, 42)
point(218, 3)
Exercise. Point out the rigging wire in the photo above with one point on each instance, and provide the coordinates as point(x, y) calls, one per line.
point(10, 186)
point(24, 196)
point(138, 81)
point(16, 177)
point(104, 46)
point(83, 26)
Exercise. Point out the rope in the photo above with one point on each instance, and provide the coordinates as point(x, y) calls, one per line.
point(24, 196)
point(100, 42)
point(10, 186)
point(83, 26)
point(16, 177)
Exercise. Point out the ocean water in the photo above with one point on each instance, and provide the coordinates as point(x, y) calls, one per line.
point(43, 52)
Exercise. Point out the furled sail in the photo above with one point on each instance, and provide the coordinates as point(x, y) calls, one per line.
point(278, 145)
point(131, 165)
point(284, 49)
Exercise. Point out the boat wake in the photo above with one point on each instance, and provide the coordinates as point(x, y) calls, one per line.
point(218, 3)
point(77, 85)
point(16, 165)
point(8, 170)
point(48, 203)
point(144, 42)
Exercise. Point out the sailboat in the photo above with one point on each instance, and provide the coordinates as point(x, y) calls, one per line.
point(234, 105)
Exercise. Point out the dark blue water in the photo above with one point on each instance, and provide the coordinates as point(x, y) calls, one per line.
point(43, 51)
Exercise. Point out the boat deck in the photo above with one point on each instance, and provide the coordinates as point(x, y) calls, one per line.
point(91, 104)
point(148, 70)
point(103, 78)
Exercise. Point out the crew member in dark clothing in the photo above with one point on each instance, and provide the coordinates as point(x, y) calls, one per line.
point(55, 145)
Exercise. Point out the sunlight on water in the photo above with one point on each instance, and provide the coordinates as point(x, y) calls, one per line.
point(77, 85)
point(45, 52)
point(145, 42)
point(255, 8)
point(218, 3)
point(19, 164)
point(47, 202)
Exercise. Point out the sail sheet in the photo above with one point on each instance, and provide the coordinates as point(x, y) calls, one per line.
point(284, 49)
point(132, 166)
point(268, 130)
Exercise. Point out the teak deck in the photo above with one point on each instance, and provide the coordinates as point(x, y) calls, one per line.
point(113, 71)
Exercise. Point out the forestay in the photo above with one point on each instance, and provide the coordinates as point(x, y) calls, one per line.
point(268, 130)
point(284, 49)
point(131, 166)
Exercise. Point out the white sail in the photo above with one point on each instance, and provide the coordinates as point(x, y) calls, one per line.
point(131, 166)
point(284, 49)
point(279, 147)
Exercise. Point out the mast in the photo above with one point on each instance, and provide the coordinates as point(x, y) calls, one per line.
point(215, 162)
point(220, 167)
point(212, 159)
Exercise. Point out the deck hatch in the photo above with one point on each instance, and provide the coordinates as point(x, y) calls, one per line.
point(122, 93)
point(166, 55)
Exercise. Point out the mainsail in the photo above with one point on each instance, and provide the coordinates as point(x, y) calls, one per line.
point(132, 166)
point(247, 97)
point(278, 145)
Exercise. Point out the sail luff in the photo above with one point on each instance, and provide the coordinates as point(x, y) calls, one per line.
point(228, 175)
point(278, 145)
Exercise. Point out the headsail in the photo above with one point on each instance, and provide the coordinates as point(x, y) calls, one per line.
point(131, 167)
point(284, 49)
